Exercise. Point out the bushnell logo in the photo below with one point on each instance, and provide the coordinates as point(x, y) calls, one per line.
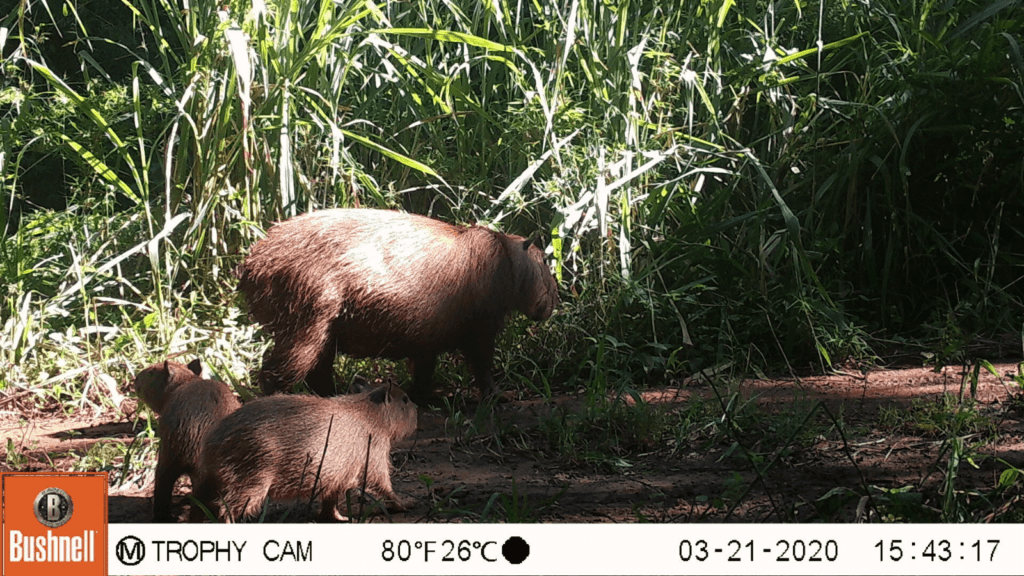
point(51, 531)
point(53, 507)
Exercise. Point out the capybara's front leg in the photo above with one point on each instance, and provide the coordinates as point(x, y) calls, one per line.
point(167, 473)
point(381, 488)
point(422, 369)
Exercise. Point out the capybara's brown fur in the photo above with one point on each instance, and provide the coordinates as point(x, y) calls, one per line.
point(278, 447)
point(154, 385)
point(187, 407)
point(377, 283)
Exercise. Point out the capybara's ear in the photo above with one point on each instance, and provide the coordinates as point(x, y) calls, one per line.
point(380, 395)
point(358, 385)
point(196, 367)
point(392, 393)
point(167, 369)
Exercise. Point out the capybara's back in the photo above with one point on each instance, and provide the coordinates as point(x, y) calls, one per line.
point(377, 283)
point(188, 408)
point(290, 446)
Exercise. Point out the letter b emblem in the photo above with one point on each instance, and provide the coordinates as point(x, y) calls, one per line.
point(53, 507)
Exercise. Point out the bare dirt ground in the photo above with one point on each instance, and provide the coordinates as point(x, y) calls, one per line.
point(455, 476)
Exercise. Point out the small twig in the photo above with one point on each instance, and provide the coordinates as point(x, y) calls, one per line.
point(846, 448)
point(366, 469)
point(15, 397)
point(319, 469)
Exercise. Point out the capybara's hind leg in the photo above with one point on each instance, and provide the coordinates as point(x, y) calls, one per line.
point(480, 356)
point(293, 356)
point(204, 493)
point(329, 511)
point(248, 501)
point(270, 378)
point(321, 378)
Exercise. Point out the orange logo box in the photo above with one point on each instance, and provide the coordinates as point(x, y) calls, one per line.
point(54, 523)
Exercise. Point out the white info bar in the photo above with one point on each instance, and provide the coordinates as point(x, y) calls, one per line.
point(566, 549)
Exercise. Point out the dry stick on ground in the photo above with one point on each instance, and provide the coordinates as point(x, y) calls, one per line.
point(302, 476)
point(14, 397)
point(846, 449)
point(732, 428)
point(779, 453)
point(366, 468)
point(760, 471)
point(319, 469)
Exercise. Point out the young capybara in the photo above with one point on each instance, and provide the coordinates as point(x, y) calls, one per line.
point(278, 447)
point(377, 283)
point(187, 407)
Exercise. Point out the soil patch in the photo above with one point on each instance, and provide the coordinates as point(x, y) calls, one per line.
point(500, 467)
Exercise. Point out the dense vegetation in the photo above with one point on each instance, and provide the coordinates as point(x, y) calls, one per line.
point(721, 182)
point(733, 186)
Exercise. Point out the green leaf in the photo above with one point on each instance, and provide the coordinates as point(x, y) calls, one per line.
point(809, 51)
point(723, 12)
point(1009, 477)
point(446, 36)
point(101, 169)
point(76, 99)
point(392, 154)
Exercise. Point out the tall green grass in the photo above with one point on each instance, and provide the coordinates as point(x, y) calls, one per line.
point(746, 185)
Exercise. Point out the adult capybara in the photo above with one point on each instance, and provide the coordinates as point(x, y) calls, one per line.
point(377, 283)
point(278, 447)
point(187, 407)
